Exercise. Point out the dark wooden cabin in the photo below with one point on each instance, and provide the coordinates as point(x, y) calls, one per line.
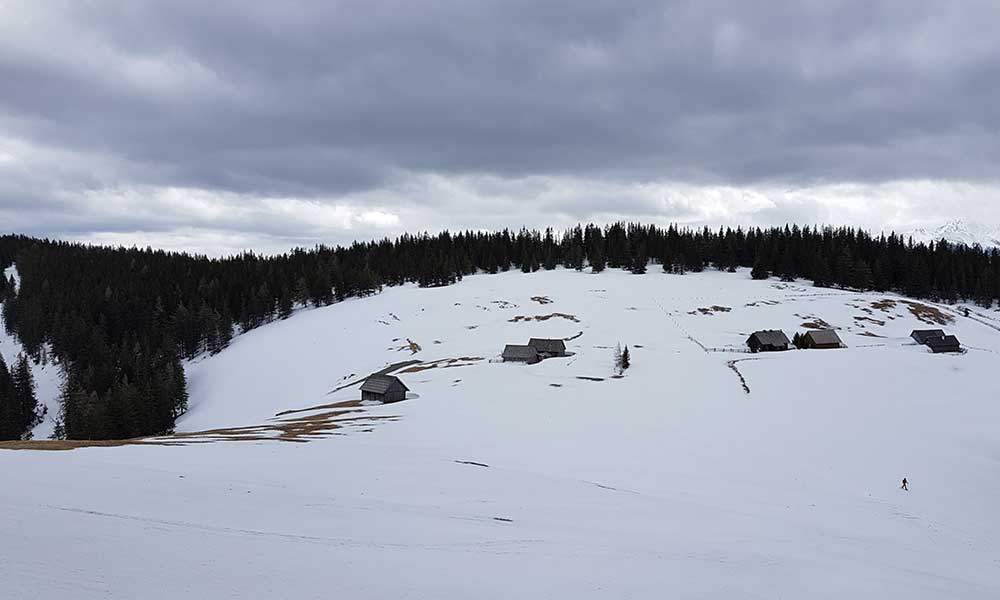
point(519, 353)
point(921, 336)
point(944, 343)
point(548, 348)
point(822, 339)
point(383, 388)
point(773, 340)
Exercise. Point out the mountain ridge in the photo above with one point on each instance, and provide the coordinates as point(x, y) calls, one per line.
point(958, 231)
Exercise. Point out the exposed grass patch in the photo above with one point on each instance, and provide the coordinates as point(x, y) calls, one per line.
point(762, 303)
point(444, 363)
point(928, 314)
point(298, 429)
point(870, 320)
point(555, 315)
point(884, 304)
point(710, 310)
point(817, 323)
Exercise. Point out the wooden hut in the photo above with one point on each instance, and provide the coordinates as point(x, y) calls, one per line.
point(772, 340)
point(519, 353)
point(383, 388)
point(944, 343)
point(547, 348)
point(822, 339)
point(921, 336)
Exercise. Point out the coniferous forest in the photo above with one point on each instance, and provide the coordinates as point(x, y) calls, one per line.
point(120, 321)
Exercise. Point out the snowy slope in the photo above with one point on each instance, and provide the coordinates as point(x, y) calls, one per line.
point(48, 378)
point(512, 481)
point(959, 232)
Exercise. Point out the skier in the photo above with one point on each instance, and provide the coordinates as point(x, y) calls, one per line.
point(903, 487)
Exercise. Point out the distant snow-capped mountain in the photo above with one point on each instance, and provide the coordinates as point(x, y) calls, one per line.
point(958, 232)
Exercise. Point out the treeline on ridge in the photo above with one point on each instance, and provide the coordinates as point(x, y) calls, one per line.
point(121, 320)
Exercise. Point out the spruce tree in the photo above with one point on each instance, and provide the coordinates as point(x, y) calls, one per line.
point(285, 304)
point(597, 262)
point(862, 276)
point(24, 397)
point(759, 271)
point(7, 401)
point(626, 361)
point(640, 260)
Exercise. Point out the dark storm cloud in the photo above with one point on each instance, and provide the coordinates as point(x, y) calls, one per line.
point(329, 99)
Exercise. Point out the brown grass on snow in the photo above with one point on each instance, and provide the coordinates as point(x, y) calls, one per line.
point(520, 318)
point(817, 323)
point(928, 314)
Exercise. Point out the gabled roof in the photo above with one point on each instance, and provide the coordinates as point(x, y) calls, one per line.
point(922, 335)
point(771, 337)
point(547, 345)
point(824, 337)
point(380, 384)
point(517, 351)
point(944, 341)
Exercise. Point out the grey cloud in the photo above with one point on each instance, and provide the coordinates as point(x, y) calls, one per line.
point(341, 99)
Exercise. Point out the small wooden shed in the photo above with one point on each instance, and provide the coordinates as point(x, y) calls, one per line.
point(822, 339)
point(519, 353)
point(921, 336)
point(547, 348)
point(383, 388)
point(770, 340)
point(944, 343)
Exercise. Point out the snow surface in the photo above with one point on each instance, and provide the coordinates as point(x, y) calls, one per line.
point(48, 378)
point(670, 482)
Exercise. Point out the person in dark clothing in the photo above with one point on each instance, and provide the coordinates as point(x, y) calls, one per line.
point(903, 487)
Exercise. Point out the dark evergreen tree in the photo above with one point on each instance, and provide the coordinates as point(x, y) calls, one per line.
point(862, 277)
point(8, 405)
point(799, 340)
point(759, 271)
point(285, 305)
point(640, 260)
point(821, 271)
point(597, 262)
point(626, 359)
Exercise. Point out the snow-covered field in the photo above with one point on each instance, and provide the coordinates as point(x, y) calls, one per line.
point(510, 481)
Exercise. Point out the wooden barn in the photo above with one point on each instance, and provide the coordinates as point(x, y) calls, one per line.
point(822, 339)
point(944, 343)
point(519, 353)
point(383, 388)
point(548, 348)
point(773, 340)
point(921, 336)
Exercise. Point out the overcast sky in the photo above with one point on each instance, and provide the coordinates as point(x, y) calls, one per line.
point(216, 126)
